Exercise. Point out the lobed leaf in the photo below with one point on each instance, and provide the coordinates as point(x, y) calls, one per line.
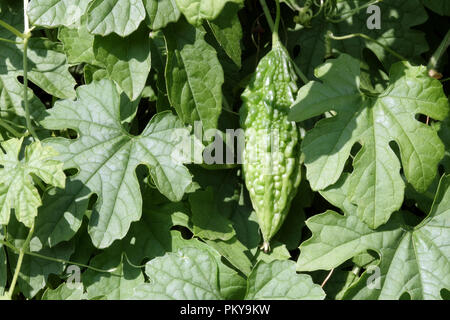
point(47, 68)
point(106, 156)
point(65, 292)
point(189, 274)
point(375, 185)
point(397, 19)
point(413, 260)
point(17, 190)
point(278, 281)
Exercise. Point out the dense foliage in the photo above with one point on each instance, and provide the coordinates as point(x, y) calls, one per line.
point(224, 149)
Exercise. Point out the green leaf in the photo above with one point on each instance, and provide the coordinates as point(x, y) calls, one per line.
point(118, 284)
point(278, 281)
point(337, 194)
point(189, 274)
point(150, 237)
point(365, 259)
point(245, 223)
point(194, 76)
point(424, 200)
point(413, 260)
point(78, 44)
point(337, 284)
point(47, 68)
point(61, 214)
point(375, 185)
point(84, 249)
point(396, 20)
point(161, 12)
point(17, 190)
point(196, 11)
point(65, 292)
point(35, 271)
point(208, 222)
point(290, 233)
point(118, 16)
point(441, 7)
point(127, 60)
point(226, 185)
point(94, 73)
point(444, 134)
point(55, 13)
point(232, 284)
point(235, 252)
point(106, 156)
point(278, 251)
point(241, 249)
point(227, 30)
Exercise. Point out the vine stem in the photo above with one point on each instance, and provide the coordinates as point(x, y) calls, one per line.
point(327, 278)
point(10, 129)
point(320, 9)
point(347, 14)
point(40, 256)
point(276, 26)
point(266, 246)
point(22, 251)
point(436, 57)
point(302, 76)
point(10, 41)
point(361, 35)
point(267, 14)
point(12, 29)
point(27, 36)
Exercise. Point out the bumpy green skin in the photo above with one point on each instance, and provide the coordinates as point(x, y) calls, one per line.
point(271, 157)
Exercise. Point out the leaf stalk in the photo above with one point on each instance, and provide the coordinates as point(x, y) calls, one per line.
point(22, 251)
point(27, 36)
point(361, 35)
point(433, 64)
